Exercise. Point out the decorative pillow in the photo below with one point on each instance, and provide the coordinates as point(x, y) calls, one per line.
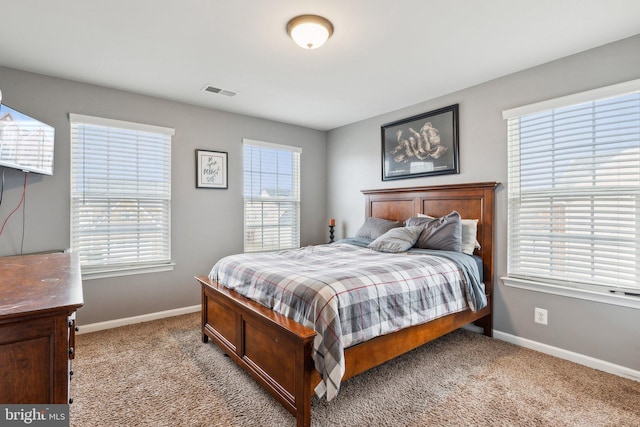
point(444, 233)
point(469, 234)
point(376, 227)
point(399, 239)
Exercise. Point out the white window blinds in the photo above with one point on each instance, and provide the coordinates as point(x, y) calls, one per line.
point(271, 196)
point(574, 192)
point(120, 193)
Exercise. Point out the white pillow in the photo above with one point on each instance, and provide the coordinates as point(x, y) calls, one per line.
point(469, 234)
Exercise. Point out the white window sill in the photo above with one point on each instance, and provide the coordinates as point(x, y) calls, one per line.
point(106, 272)
point(597, 295)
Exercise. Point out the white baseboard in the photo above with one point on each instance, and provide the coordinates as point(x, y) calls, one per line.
point(100, 326)
point(581, 359)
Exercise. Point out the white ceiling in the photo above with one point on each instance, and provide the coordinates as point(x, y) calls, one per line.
point(384, 55)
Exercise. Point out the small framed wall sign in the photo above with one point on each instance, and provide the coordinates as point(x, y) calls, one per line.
point(211, 169)
point(422, 145)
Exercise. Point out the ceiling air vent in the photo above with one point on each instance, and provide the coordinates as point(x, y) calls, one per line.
point(225, 92)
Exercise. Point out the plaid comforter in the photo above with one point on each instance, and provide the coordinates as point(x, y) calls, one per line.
point(349, 294)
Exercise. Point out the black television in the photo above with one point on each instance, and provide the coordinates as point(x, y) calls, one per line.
point(25, 143)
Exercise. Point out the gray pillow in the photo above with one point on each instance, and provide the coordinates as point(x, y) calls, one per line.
point(399, 239)
point(444, 233)
point(469, 234)
point(376, 227)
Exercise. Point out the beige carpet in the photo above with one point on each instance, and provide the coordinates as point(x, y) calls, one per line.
point(160, 374)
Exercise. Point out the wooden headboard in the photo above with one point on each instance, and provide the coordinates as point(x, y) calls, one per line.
point(472, 201)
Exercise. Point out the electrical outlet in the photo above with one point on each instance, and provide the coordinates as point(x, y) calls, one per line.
point(540, 315)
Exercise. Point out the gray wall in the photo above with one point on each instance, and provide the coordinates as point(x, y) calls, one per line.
point(606, 332)
point(206, 224)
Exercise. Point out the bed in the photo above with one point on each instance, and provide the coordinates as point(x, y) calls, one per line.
point(277, 351)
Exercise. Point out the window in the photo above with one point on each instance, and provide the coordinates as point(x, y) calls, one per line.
point(120, 196)
point(271, 196)
point(574, 191)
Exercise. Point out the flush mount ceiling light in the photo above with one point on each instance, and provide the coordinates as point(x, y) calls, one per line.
point(309, 31)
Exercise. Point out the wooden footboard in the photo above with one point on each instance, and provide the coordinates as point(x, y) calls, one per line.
point(274, 349)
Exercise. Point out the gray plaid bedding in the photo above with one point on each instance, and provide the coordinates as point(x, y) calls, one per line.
point(349, 294)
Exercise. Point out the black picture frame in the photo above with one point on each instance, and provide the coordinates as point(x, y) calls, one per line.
point(211, 169)
point(422, 145)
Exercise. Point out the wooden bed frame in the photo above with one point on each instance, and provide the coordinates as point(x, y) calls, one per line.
point(276, 350)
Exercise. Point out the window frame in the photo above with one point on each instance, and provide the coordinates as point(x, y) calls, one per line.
point(573, 289)
point(99, 271)
point(294, 199)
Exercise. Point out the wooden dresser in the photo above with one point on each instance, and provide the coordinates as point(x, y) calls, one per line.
point(39, 295)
